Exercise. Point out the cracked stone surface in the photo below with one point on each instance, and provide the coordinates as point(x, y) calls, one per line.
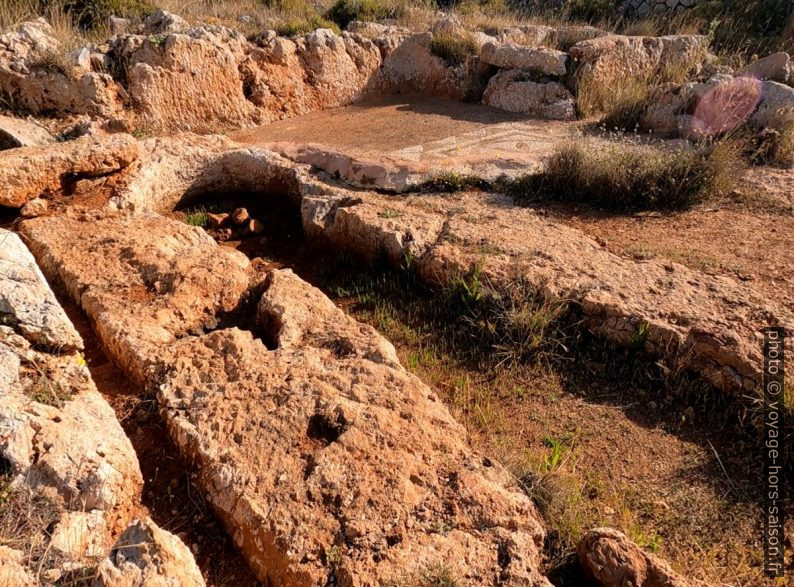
point(323, 457)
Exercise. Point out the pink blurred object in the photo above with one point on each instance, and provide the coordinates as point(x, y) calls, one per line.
point(726, 106)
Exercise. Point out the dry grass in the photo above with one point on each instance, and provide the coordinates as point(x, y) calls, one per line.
point(629, 177)
point(453, 49)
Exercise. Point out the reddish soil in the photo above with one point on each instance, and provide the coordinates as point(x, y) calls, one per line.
point(382, 125)
point(169, 497)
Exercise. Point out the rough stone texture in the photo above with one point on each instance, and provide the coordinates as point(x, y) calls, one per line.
point(776, 110)
point(713, 317)
point(512, 91)
point(26, 302)
point(711, 320)
point(412, 67)
point(613, 560)
point(323, 457)
point(27, 39)
point(566, 37)
point(29, 172)
point(512, 56)
point(606, 60)
point(163, 22)
point(146, 555)
point(12, 572)
point(386, 37)
point(775, 67)
point(318, 71)
point(17, 132)
point(58, 435)
point(211, 77)
point(183, 282)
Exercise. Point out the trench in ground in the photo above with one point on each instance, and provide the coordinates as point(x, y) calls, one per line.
point(597, 435)
point(169, 495)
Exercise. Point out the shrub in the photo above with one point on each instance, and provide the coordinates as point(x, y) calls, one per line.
point(769, 146)
point(297, 27)
point(629, 177)
point(53, 62)
point(343, 12)
point(591, 10)
point(93, 13)
point(453, 49)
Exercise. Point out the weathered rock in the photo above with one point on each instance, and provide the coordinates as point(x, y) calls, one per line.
point(163, 22)
point(710, 320)
point(298, 316)
point(240, 216)
point(27, 173)
point(776, 110)
point(12, 572)
point(26, 302)
point(35, 207)
point(775, 67)
point(16, 132)
point(71, 464)
point(119, 26)
point(323, 456)
point(147, 555)
point(318, 71)
point(613, 560)
point(513, 91)
point(529, 35)
point(386, 37)
point(255, 226)
point(412, 67)
point(27, 39)
point(566, 37)
point(210, 76)
point(512, 56)
point(185, 281)
point(607, 59)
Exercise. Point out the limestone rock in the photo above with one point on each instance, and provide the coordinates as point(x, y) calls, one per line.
point(412, 67)
point(27, 173)
point(386, 37)
point(27, 39)
point(185, 288)
point(605, 60)
point(27, 304)
point(299, 315)
point(12, 573)
point(566, 37)
point(776, 110)
point(775, 67)
point(79, 535)
point(513, 91)
point(613, 560)
point(512, 56)
point(322, 456)
point(162, 22)
point(17, 132)
point(146, 555)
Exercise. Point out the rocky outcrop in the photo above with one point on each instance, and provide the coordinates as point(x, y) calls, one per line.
point(16, 132)
point(413, 67)
point(607, 59)
point(512, 56)
point(612, 559)
point(148, 555)
point(323, 457)
point(514, 91)
point(30, 172)
point(386, 37)
point(775, 68)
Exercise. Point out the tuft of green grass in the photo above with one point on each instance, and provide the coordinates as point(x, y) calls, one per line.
point(619, 177)
point(297, 27)
point(198, 218)
point(453, 49)
point(343, 12)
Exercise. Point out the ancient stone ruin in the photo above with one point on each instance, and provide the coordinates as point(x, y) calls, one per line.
point(323, 456)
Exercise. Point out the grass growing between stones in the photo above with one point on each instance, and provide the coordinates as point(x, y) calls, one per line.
point(627, 177)
point(453, 49)
point(595, 434)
